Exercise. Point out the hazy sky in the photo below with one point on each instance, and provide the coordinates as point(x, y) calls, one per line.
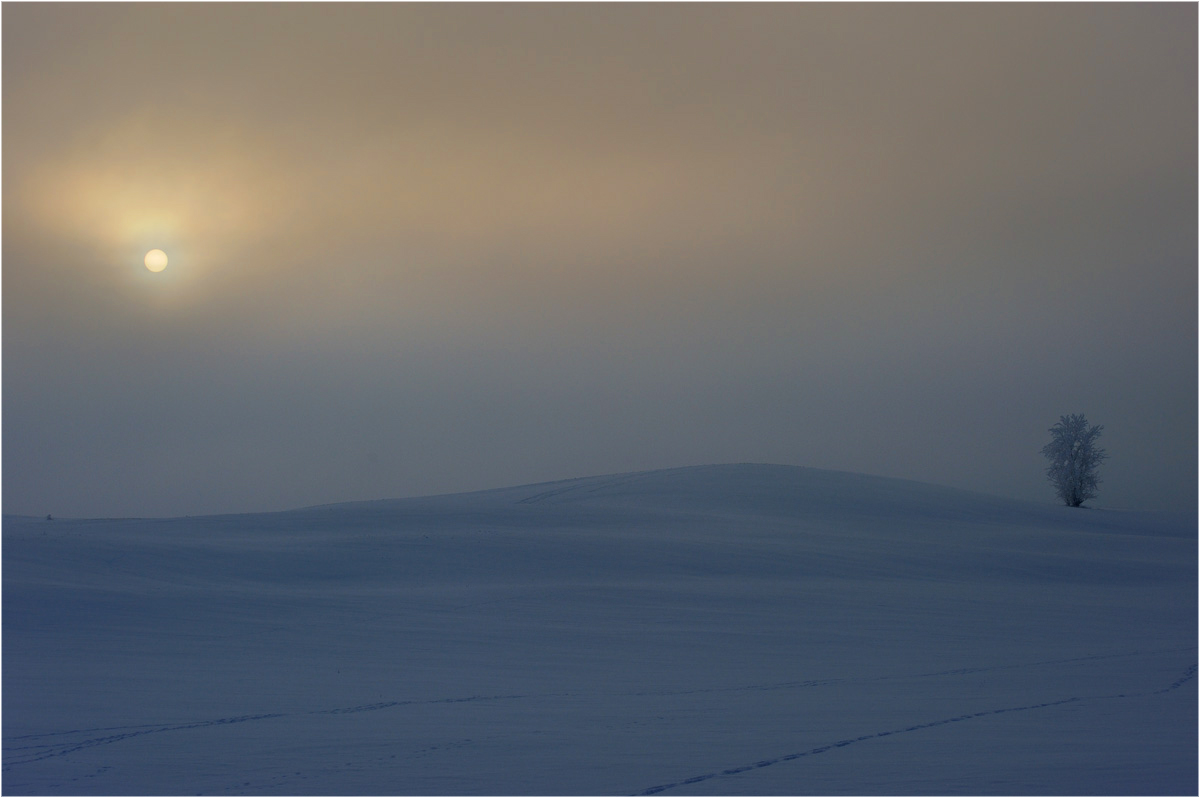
point(430, 248)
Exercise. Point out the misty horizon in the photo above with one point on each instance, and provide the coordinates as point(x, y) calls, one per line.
point(425, 249)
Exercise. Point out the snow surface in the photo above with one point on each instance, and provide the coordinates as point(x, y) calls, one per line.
point(737, 629)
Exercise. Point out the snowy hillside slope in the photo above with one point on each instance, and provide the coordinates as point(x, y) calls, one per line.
point(739, 629)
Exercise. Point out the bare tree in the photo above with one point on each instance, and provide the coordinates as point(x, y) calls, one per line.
point(1074, 458)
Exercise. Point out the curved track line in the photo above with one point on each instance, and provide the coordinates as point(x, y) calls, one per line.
point(62, 749)
point(35, 752)
point(38, 752)
point(762, 763)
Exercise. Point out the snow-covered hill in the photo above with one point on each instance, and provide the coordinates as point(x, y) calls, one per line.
point(738, 629)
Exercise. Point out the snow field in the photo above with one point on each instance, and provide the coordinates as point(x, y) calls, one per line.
point(721, 630)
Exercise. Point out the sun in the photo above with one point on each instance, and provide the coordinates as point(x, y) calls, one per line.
point(156, 260)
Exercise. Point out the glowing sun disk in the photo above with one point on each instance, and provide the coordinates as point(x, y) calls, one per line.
point(156, 260)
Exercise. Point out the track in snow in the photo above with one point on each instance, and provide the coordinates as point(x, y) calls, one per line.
point(762, 763)
point(39, 751)
point(35, 752)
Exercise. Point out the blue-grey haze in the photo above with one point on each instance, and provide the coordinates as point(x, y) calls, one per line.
point(429, 248)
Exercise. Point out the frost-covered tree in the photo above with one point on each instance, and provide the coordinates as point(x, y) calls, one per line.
point(1074, 458)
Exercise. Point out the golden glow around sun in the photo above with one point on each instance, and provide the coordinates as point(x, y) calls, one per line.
point(156, 260)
